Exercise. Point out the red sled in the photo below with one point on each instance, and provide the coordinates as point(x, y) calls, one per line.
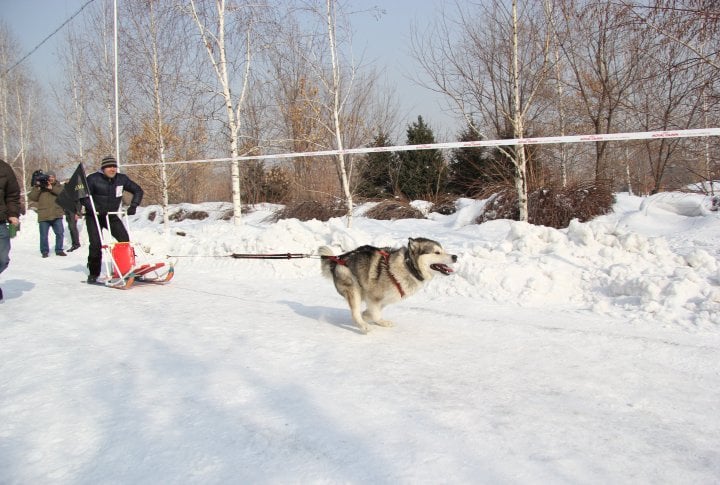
point(127, 264)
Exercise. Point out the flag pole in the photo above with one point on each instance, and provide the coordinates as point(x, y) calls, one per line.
point(97, 221)
point(117, 90)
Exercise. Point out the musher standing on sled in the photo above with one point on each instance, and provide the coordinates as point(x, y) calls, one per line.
point(106, 188)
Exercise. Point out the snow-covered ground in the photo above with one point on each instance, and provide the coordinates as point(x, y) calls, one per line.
point(585, 355)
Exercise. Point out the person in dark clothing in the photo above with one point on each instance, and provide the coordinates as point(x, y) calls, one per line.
point(49, 213)
point(106, 187)
point(71, 218)
point(9, 212)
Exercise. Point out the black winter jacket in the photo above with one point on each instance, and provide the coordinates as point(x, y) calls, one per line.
point(9, 193)
point(107, 192)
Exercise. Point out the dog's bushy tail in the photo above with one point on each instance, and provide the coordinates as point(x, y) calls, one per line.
point(326, 264)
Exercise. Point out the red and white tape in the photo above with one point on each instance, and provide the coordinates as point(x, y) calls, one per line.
point(544, 140)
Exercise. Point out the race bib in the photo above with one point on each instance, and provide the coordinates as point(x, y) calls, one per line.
point(118, 191)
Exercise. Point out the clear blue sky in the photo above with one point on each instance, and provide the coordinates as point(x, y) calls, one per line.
point(385, 40)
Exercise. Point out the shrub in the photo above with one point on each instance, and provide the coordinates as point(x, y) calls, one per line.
point(389, 210)
point(182, 215)
point(307, 210)
point(552, 206)
point(445, 205)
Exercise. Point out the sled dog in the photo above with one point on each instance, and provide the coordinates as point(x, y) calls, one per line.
point(380, 276)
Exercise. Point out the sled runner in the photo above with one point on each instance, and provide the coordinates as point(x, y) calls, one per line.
point(126, 263)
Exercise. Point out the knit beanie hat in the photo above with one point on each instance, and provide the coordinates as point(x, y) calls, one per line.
point(108, 161)
point(50, 173)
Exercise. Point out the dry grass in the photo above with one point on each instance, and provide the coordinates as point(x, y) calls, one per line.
point(307, 210)
point(390, 210)
point(182, 215)
point(553, 206)
point(445, 204)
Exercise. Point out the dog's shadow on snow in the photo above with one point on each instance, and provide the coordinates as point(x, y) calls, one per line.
point(335, 316)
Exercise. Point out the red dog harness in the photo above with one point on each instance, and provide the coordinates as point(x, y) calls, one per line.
point(386, 259)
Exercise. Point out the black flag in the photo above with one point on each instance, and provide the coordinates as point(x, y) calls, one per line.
point(74, 190)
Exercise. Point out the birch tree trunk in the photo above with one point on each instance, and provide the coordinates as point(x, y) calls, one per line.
point(484, 69)
point(518, 124)
point(336, 110)
point(77, 96)
point(157, 102)
point(7, 55)
point(110, 83)
point(559, 89)
point(219, 62)
point(72, 98)
point(21, 139)
point(4, 110)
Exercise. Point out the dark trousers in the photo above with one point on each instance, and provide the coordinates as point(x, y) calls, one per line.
point(118, 231)
point(72, 227)
point(57, 226)
point(4, 246)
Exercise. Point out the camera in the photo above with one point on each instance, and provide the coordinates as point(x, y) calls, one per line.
point(39, 178)
point(42, 179)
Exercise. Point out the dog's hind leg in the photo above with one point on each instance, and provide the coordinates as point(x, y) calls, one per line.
point(372, 314)
point(355, 302)
point(348, 288)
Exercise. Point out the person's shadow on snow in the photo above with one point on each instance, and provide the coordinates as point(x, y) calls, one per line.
point(77, 268)
point(334, 316)
point(15, 288)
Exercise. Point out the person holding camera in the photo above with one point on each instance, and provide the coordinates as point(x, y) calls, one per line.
point(9, 212)
point(106, 187)
point(44, 193)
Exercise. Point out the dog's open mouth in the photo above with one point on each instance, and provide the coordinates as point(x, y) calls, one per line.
point(441, 268)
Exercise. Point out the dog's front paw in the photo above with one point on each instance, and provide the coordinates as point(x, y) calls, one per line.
point(362, 326)
point(384, 323)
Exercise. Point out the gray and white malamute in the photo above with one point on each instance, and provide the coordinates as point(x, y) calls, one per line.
point(380, 276)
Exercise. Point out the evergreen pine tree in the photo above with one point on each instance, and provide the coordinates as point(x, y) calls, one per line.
point(472, 169)
point(377, 168)
point(422, 172)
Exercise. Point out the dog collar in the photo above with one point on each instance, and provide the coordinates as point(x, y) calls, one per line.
point(413, 269)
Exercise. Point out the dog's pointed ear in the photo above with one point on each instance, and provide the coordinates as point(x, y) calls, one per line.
point(411, 244)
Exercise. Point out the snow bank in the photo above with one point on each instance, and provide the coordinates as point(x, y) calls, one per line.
point(646, 260)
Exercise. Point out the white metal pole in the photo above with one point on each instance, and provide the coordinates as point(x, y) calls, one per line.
point(100, 234)
point(117, 90)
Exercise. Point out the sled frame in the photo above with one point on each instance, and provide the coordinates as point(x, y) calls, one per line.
point(142, 270)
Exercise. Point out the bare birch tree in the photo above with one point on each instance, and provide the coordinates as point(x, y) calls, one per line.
point(494, 69)
point(689, 29)
point(87, 95)
point(23, 116)
point(603, 51)
point(326, 99)
point(297, 119)
point(212, 23)
point(18, 110)
point(72, 97)
point(8, 54)
point(156, 48)
point(338, 103)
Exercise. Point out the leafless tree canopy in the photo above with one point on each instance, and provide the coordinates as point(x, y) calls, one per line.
point(203, 79)
point(585, 67)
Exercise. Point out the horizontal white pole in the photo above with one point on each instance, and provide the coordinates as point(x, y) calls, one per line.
point(544, 140)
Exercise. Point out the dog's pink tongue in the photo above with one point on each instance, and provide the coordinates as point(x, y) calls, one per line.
point(444, 269)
